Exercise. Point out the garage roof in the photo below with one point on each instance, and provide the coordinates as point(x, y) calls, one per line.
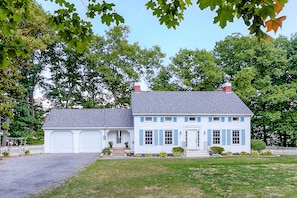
point(89, 118)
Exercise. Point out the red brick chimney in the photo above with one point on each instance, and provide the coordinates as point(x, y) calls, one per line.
point(137, 87)
point(227, 87)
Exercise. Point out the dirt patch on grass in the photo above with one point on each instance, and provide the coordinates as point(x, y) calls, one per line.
point(148, 188)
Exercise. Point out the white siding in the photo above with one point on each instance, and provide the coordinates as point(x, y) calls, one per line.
point(181, 126)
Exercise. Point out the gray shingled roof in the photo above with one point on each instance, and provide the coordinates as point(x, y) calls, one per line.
point(194, 103)
point(85, 118)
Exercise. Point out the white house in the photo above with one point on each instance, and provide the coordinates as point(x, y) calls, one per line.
point(156, 122)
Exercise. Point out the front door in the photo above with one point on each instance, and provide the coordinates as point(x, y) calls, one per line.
point(192, 139)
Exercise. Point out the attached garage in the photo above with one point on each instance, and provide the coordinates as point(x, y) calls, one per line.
point(84, 130)
point(61, 142)
point(90, 142)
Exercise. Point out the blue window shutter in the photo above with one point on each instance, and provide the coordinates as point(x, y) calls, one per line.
point(140, 137)
point(241, 119)
point(209, 136)
point(141, 119)
point(223, 119)
point(228, 137)
point(198, 119)
point(156, 137)
point(224, 137)
point(161, 137)
point(209, 119)
point(242, 137)
point(186, 119)
point(229, 119)
point(155, 119)
point(161, 119)
point(175, 137)
point(174, 119)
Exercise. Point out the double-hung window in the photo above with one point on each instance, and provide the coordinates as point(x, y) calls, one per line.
point(168, 137)
point(235, 137)
point(216, 137)
point(148, 137)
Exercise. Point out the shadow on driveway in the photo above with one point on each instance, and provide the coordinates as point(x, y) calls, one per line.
point(25, 175)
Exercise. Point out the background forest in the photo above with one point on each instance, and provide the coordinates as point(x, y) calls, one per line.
point(263, 75)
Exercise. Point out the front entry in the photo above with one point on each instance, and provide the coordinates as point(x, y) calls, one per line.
point(192, 139)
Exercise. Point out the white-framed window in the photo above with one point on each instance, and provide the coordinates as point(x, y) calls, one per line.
point(148, 137)
point(235, 137)
point(216, 119)
point(168, 137)
point(168, 119)
point(216, 137)
point(148, 119)
point(235, 119)
point(192, 119)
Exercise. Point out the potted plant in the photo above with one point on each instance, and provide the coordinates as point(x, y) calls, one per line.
point(110, 144)
point(127, 144)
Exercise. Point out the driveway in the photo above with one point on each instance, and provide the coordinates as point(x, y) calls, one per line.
point(25, 175)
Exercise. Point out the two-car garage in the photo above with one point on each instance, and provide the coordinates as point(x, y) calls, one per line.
point(74, 141)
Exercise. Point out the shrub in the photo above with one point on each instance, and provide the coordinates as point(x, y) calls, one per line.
point(229, 153)
point(258, 145)
point(27, 152)
point(148, 155)
point(217, 149)
point(243, 153)
point(137, 155)
point(267, 153)
point(162, 154)
point(106, 151)
point(178, 149)
point(176, 154)
point(5, 154)
point(255, 153)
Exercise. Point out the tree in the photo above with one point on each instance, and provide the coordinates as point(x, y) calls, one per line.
point(65, 66)
point(33, 34)
point(77, 33)
point(163, 81)
point(119, 65)
point(195, 70)
point(261, 75)
point(255, 14)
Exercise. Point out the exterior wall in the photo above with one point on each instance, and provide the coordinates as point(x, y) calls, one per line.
point(181, 125)
point(106, 136)
point(76, 133)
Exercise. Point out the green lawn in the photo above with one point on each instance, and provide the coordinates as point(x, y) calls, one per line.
point(237, 176)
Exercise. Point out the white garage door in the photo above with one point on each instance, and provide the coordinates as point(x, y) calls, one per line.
point(62, 142)
point(90, 142)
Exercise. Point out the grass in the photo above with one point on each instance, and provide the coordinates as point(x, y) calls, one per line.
point(234, 176)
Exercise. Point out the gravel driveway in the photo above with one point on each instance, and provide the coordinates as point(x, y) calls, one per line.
point(25, 175)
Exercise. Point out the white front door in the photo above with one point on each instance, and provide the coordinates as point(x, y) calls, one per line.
point(192, 139)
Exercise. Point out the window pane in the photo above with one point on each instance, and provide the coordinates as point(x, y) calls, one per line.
point(148, 137)
point(235, 118)
point(168, 119)
point(168, 137)
point(148, 119)
point(235, 137)
point(216, 137)
point(192, 118)
point(216, 118)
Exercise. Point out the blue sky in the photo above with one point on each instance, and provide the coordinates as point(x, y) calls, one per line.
point(197, 31)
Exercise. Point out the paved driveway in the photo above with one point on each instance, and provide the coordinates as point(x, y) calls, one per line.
point(25, 175)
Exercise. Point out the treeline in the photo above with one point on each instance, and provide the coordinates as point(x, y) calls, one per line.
point(262, 74)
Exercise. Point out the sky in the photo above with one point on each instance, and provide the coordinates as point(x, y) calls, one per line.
point(197, 31)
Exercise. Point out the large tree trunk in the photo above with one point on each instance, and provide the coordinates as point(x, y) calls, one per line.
point(5, 131)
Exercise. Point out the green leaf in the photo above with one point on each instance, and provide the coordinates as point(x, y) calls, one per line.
point(209, 3)
point(224, 14)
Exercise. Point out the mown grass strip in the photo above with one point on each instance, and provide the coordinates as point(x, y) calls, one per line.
point(237, 176)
